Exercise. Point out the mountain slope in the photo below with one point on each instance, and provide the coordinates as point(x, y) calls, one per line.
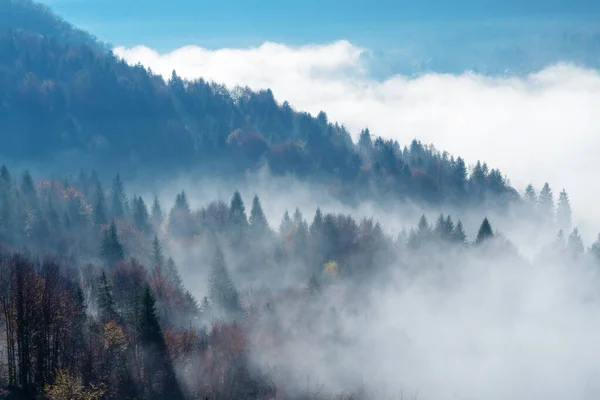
point(77, 105)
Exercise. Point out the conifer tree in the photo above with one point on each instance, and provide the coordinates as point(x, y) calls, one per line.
point(180, 223)
point(222, 292)
point(458, 234)
point(159, 377)
point(106, 303)
point(595, 249)
point(317, 224)
point(119, 198)
point(173, 275)
point(286, 224)
point(99, 210)
point(485, 232)
point(563, 211)
point(258, 220)
point(141, 218)
point(111, 248)
point(575, 243)
point(157, 253)
point(238, 222)
point(157, 213)
point(531, 196)
point(546, 203)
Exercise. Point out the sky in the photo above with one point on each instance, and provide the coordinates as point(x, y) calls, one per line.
point(512, 83)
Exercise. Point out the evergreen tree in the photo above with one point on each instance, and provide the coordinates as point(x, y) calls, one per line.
point(458, 234)
point(317, 224)
point(157, 213)
point(531, 196)
point(157, 253)
point(159, 377)
point(222, 292)
point(563, 211)
point(106, 303)
point(459, 175)
point(546, 203)
point(99, 210)
point(141, 218)
point(485, 232)
point(258, 220)
point(111, 248)
point(238, 222)
point(595, 249)
point(173, 274)
point(286, 224)
point(180, 217)
point(119, 198)
point(575, 243)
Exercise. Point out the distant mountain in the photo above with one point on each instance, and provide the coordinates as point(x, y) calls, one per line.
point(65, 100)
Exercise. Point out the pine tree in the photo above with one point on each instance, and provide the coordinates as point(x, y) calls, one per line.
point(157, 253)
point(258, 221)
point(485, 232)
point(28, 188)
point(531, 196)
point(157, 213)
point(563, 211)
point(180, 217)
point(546, 203)
point(173, 276)
point(458, 234)
point(317, 224)
point(286, 224)
point(159, 377)
point(99, 210)
point(575, 243)
point(111, 248)
point(119, 198)
point(222, 292)
point(595, 249)
point(238, 222)
point(141, 219)
point(106, 303)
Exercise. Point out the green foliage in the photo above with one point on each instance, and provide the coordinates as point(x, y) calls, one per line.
point(485, 232)
point(111, 248)
point(223, 295)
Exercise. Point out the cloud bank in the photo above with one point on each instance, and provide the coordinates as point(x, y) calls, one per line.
point(537, 128)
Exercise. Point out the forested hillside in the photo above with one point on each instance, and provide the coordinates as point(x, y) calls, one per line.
point(68, 103)
point(95, 305)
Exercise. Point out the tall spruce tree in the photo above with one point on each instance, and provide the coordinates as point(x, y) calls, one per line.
point(157, 213)
point(563, 211)
point(159, 378)
point(546, 203)
point(485, 232)
point(258, 221)
point(575, 243)
point(104, 296)
point(111, 248)
point(222, 292)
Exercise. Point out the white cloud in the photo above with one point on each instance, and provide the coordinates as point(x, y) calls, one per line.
point(544, 126)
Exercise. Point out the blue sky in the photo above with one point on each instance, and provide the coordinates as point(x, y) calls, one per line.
point(440, 35)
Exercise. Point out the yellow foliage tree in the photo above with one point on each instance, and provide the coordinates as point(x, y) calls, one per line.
point(331, 267)
point(67, 387)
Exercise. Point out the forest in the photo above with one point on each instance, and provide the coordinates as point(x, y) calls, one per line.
point(109, 292)
point(95, 306)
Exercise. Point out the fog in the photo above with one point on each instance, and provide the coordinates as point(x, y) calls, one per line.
point(439, 324)
point(537, 128)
